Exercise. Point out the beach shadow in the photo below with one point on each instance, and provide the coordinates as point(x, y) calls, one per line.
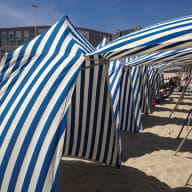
point(139, 144)
point(175, 93)
point(185, 103)
point(79, 176)
point(151, 120)
point(188, 98)
point(178, 94)
point(168, 101)
point(181, 189)
point(160, 108)
point(187, 94)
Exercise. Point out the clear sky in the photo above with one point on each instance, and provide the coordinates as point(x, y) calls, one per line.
point(103, 15)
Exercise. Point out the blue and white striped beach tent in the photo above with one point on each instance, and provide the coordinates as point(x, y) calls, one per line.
point(170, 35)
point(36, 86)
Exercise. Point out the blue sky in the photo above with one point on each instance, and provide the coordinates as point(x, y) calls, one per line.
point(103, 15)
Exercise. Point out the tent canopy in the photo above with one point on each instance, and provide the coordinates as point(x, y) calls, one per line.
point(175, 56)
point(170, 35)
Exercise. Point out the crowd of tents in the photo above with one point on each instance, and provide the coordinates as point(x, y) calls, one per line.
point(60, 96)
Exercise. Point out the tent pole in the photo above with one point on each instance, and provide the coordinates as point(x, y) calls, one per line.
point(181, 97)
point(186, 122)
point(181, 144)
point(188, 180)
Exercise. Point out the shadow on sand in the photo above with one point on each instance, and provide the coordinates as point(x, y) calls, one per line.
point(147, 143)
point(77, 176)
point(150, 121)
point(161, 108)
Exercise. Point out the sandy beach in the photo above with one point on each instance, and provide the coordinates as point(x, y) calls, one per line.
point(149, 163)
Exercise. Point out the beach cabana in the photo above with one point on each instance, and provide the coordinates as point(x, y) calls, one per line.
point(39, 95)
point(39, 102)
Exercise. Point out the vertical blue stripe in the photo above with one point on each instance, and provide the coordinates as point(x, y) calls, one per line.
point(96, 114)
point(82, 87)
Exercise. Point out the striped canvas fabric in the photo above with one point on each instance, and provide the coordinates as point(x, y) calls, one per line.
point(114, 73)
point(164, 67)
point(36, 84)
point(103, 43)
point(154, 82)
point(171, 35)
point(130, 103)
point(145, 90)
point(161, 76)
point(127, 114)
point(91, 129)
point(176, 56)
point(136, 86)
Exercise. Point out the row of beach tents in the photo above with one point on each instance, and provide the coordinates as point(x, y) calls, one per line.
point(60, 96)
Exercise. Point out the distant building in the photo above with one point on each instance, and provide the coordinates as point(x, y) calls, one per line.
point(119, 33)
point(11, 38)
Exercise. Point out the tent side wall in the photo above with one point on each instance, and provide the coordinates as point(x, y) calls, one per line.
point(36, 84)
point(130, 104)
point(153, 78)
point(91, 131)
point(145, 90)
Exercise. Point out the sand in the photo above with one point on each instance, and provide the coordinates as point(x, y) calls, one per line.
point(149, 162)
